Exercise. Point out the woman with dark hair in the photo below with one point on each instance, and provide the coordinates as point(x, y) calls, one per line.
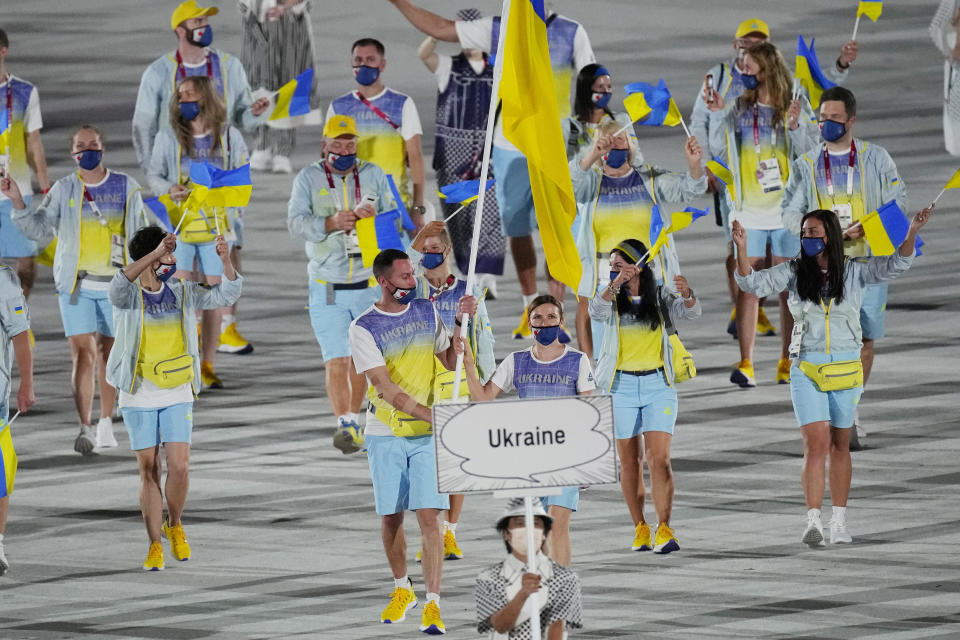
point(636, 365)
point(824, 293)
point(591, 108)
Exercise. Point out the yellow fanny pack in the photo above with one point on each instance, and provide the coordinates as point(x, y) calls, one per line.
point(834, 376)
point(684, 367)
point(169, 373)
point(403, 425)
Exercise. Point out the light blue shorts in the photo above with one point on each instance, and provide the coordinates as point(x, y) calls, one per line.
point(872, 311)
point(205, 254)
point(404, 473)
point(13, 244)
point(92, 313)
point(514, 197)
point(782, 243)
point(151, 427)
point(643, 403)
point(812, 405)
point(569, 499)
point(331, 322)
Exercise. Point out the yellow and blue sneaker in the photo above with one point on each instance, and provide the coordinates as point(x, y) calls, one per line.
point(154, 560)
point(642, 541)
point(451, 550)
point(665, 541)
point(523, 329)
point(743, 374)
point(401, 600)
point(178, 541)
point(348, 437)
point(232, 342)
point(764, 328)
point(732, 325)
point(783, 371)
point(430, 621)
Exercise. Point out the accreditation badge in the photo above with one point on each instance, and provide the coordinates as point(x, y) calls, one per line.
point(768, 175)
point(844, 214)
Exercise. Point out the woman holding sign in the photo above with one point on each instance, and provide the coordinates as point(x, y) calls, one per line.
point(636, 365)
point(525, 371)
point(615, 200)
point(825, 291)
point(198, 132)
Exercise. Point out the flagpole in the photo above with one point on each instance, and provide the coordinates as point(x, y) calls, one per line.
point(462, 207)
point(478, 216)
point(624, 128)
point(684, 125)
point(15, 416)
point(942, 191)
point(856, 25)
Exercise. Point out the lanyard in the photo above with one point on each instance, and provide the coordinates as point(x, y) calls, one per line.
point(377, 111)
point(93, 203)
point(356, 185)
point(182, 72)
point(450, 281)
point(829, 177)
point(756, 132)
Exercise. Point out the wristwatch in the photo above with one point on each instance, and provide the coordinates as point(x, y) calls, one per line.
point(419, 209)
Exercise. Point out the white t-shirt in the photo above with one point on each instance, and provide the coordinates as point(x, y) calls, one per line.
point(444, 66)
point(503, 376)
point(409, 116)
point(366, 356)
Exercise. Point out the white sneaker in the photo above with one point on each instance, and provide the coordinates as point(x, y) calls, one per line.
point(4, 563)
point(281, 164)
point(839, 533)
point(260, 160)
point(489, 282)
point(813, 534)
point(105, 436)
point(86, 440)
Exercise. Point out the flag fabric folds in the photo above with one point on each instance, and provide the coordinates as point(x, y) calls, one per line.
point(953, 182)
point(722, 173)
point(531, 121)
point(636, 106)
point(463, 192)
point(4, 128)
point(683, 219)
point(886, 228)
point(376, 233)
point(658, 233)
point(870, 9)
point(165, 210)
point(293, 98)
point(218, 187)
point(807, 70)
point(8, 460)
point(663, 110)
point(401, 207)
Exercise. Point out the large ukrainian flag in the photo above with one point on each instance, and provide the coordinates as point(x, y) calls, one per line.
point(531, 121)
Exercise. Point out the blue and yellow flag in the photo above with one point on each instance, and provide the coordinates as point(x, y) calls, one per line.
point(8, 460)
point(636, 106)
point(658, 233)
point(954, 181)
point(683, 219)
point(4, 128)
point(723, 174)
point(886, 228)
point(870, 9)
point(217, 187)
point(531, 121)
point(807, 70)
point(293, 98)
point(165, 210)
point(663, 110)
point(376, 233)
point(463, 192)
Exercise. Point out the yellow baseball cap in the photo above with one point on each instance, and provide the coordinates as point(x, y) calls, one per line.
point(190, 9)
point(340, 126)
point(752, 25)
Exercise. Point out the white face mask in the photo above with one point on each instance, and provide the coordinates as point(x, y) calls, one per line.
point(518, 539)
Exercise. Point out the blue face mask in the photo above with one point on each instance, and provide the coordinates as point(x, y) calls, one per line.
point(89, 159)
point(601, 100)
point(366, 75)
point(432, 260)
point(613, 275)
point(189, 110)
point(832, 131)
point(812, 246)
point(749, 81)
point(202, 36)
point(616, 157)
point(404, 296)
point(341, 163)
point(546, 335)
point(165, 271)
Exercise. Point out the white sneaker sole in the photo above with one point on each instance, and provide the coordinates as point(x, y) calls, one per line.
point(812, 537)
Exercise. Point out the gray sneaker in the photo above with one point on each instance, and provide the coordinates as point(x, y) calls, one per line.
point(4, 563)
point(813, 534)
point(86, 441)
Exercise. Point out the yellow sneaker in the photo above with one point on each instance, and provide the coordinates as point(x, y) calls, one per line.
point(178, 541)
point(783, 371)
point(764, 328)
point(451, 550)
point(643, 541)
point(523, 329)
point(430, 621)
point(743, 374)
point(419, 556)
point(232, 342)
point(665, 541)
point(401, 600)
point(154, 561)
point(209, 379)
point(732, 325)
point(32, 338)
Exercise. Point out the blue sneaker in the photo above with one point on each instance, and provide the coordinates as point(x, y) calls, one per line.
point(348, 437)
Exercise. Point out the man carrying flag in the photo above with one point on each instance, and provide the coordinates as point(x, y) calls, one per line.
point(327, 199)
point(851, 177)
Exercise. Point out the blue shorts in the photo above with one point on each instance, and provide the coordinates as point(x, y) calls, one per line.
point(331, 322)
point(151, 427)
point(872, 311)
point(569, 499)
point(13, 244)
point(782, 243)
point(812, 405)
point(643, 403)
point(404, 473)
point(514, 197)
point(205, 253)
point(92, 313)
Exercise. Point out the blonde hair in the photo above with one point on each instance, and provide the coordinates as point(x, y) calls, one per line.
point(609, 127)
point(212, 110)
point(776, 80)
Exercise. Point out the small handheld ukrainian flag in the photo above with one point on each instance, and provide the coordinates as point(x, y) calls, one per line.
point(463, 192)
point(663, 110)
point(683, 219)
point(658, 233)
point(636, 106)
point(293, 98)
point(870, 9)
point(807, 70)
point(376, 233)
point(886, 228)
point(230, 188)
point(8, 460)
point(165, 210)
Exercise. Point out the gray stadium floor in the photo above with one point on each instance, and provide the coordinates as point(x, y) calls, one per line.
point(286, 543)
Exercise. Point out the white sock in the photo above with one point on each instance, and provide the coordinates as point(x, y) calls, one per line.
point(433, 597)
point(840, 514)
point(451, 526)
point(528, 299)
point(226, 320)
point(353, 416)
point(813, 513)
point(401, 583)
point(344, 418)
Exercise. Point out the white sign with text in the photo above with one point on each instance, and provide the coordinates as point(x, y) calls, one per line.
point(525, 444)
